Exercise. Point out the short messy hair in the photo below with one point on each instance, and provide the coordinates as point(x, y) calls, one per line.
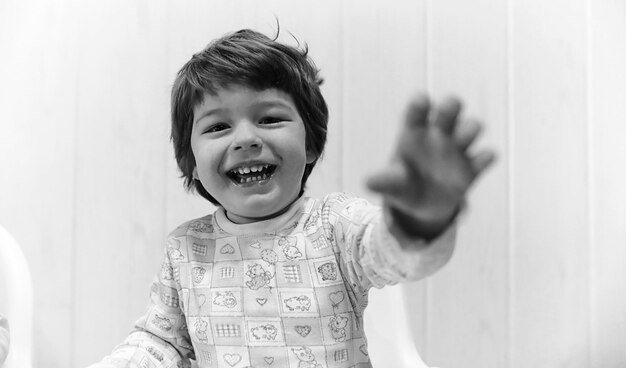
point(250, 59)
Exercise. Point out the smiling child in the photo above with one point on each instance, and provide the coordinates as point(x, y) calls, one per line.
point(274, 278)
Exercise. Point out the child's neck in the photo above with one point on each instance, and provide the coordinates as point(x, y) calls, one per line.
point(236, 219)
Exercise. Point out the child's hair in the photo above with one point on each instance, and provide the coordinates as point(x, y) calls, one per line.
point(250, 59)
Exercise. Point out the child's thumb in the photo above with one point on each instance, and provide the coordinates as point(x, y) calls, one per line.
point(390, 181)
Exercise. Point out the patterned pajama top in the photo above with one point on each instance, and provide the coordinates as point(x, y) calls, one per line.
point(288, 292)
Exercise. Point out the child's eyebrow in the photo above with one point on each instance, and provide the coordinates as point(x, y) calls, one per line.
point(273, 103)
point(208, 113)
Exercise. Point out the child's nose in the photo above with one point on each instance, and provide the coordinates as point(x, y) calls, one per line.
point(246, 137)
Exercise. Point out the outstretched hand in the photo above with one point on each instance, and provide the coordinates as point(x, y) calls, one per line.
point(425, 184)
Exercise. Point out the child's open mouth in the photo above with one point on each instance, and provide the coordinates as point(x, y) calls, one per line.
point(251, 174)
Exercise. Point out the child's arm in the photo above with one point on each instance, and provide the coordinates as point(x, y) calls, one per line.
point(425, 185)
point(4, 339)
point(160, 338)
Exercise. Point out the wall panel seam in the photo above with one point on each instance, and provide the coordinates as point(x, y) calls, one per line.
point(510, 136)
point(590, 182)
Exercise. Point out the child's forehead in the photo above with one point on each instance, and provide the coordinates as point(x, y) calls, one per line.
point(240, 86)
point(244, 92)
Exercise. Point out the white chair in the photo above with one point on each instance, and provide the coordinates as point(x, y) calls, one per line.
point(389, 339)
point(16, 300)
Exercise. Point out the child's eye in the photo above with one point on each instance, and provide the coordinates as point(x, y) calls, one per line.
point(216, 128)
point(270, 120)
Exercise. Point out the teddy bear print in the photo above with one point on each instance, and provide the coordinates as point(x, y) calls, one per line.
point(337, 326)
point(167, 272)
point(289, 248)
point(301, 303)
point(201, 227)
point(175, 254)
point(225, 299)
point(201, 327)
point(162, 322)
point(258, 277)
point(306, 358)
point(328, 271)
point(265, 332)
point(155, 353)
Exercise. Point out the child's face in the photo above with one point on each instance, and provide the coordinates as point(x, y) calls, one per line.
point(250, 151)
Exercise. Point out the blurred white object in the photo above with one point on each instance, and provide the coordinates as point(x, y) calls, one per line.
point(388, 330)
point(16, 300)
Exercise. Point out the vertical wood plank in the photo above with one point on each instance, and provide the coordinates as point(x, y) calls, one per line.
point(550, 269)
point(37, 106)
point(121, 139)
point(607, 26)
point(383, 67)
point(384, 53)
point(468, 300)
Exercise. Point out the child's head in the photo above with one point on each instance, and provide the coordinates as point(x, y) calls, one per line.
point(249, 59)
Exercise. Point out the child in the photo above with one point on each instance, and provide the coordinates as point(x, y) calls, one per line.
point(4, 339)
point(274, 278)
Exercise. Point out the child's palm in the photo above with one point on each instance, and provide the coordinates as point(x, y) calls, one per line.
point(432, 170)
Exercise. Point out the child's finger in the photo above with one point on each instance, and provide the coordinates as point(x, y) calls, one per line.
point(466, 133)
point(446, 114)
point(481, 161)
point(389, 181)
point(417, 112)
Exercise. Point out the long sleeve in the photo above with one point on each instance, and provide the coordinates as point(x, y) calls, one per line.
point(371, 255)
point(4, 339)
point(160, 338)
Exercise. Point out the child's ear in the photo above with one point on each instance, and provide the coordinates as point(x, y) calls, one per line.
point(194, 174)
point(310, 157)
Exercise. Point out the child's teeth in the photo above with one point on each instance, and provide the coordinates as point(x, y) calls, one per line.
point(252, 169)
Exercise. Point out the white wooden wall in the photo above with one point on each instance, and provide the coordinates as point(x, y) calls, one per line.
point(89, 187)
